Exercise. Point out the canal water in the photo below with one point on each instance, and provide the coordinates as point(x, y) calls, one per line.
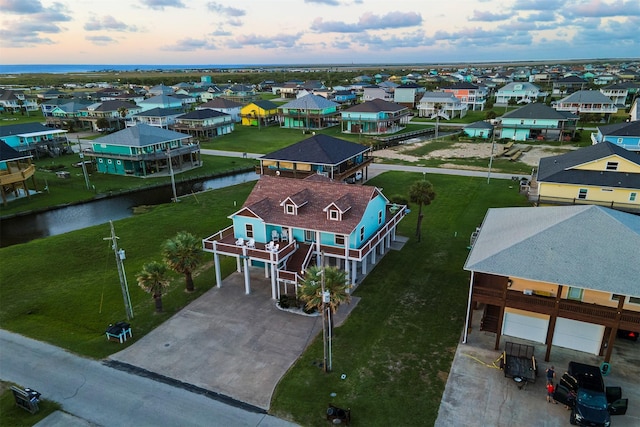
point(22, 229)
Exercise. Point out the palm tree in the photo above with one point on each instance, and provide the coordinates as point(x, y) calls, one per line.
point(421, 192)
point(153, 279)
point(335, 282)
point(123, 111)
point(182, 254)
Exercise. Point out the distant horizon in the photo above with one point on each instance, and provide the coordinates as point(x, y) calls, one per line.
point(61, 68)
point(315, 31)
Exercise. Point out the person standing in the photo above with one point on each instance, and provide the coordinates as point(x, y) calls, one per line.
point(551, 375)
point(550, 390)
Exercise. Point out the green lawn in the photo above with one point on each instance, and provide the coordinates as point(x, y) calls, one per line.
point(74, 189)
point(397, 346)
point(18, 118)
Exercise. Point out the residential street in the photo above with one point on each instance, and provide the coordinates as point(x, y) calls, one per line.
point(101, 395)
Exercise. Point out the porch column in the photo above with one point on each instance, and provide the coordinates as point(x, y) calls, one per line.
point(503, 303)
point(614, 329)
point(552, 324)
point(247, 278)
point(347, 267)
point(216, 266)
point(238, 265)
point(273, 282)
point(266, 270)
point(354, 271)
point(364, 265)
point(467, 322)
point(373, 255)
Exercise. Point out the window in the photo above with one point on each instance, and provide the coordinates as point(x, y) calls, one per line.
point(361, 234)
point(339, 240)
point(619, 141)
point(612, 166)
point(334, 215)
point(290, 209)
point(634, 300)
point(379, 217)
point(575, 294)
point(249, 230)
point(632, 197)
point(309, 236)
point(109, 161)
point(582, 194)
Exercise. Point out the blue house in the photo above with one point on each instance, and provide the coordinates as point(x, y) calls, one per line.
point(35, 139)
point(480, 129)
point(144, 150)
point(286, 224)
point(375, 117)
point(15, 170)
point(537, 121)
point(625, 135)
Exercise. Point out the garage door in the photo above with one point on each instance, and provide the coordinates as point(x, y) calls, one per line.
point(577, 335)
point(526, 327)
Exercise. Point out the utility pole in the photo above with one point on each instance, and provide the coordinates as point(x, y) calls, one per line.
point(120, 256)
point(326, 321)
point(493, 145)
point(173, 180)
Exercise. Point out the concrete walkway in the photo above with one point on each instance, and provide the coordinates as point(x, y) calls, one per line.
point(238, 346)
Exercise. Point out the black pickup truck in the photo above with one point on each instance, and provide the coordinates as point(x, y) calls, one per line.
point(582, 388)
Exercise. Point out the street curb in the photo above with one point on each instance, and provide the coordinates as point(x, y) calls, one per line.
point(185, 386)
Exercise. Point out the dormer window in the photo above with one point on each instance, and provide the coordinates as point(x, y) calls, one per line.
point(612, 166)
point(289, 209)
point(334, 215)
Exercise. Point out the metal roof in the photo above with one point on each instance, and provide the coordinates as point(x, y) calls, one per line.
point(586, 246)
point(539, 111)
point(309, 102)
point(318, 150)
point(141, 135)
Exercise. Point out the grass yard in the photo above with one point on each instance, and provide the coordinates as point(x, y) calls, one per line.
point(14, 416)
point(16, 118)
point(73, 189)
point(397, 346)
point(65, 290)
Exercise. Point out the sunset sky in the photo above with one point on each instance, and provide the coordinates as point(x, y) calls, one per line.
point(314, 31)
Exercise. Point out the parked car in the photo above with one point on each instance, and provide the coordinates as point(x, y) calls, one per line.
point(592, 404)
point(628, 335)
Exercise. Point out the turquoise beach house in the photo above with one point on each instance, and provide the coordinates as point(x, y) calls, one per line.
point(144, 150)
point(287, 225)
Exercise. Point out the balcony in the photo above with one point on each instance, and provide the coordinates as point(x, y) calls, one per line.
point(569, 309)
point(340, 173)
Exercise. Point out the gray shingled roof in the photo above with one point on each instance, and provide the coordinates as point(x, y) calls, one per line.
point(309, 102)
point(621, 129)
point(205, 113)
point(560, 168)
point(319, 150)
point(266, 104)
point(375, 106)
point(587, 246)
point(141, 135)
point(539, 111)
point(220, 103)
point(23, 128)
point(479, 125)
point(586, 97)
point(159, 112)
point(7, 153)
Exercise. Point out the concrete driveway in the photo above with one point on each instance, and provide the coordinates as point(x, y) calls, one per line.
point(478, 394)
point(230, 343)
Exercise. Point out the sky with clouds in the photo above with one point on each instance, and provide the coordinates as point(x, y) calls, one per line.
point(224, 32)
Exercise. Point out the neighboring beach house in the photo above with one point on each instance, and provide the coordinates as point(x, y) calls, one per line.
point(473, 96)
point(286, 225)
point(161, 101)
point(625, 135)
point(564, 276)
point(480, 129)
point(375, 117)
point(144, 150)
point(158, 117)
point(521, 92)
point(324, 155)
point(586, 101)
point(224, 105)
point(309, 112)
point(259, 113)
point(537, 121)
point(450, 106)
point(15, 171)
point(378, 92)
point(408, 94)
point(602, 174)
point(204, 123)
point(35, 139)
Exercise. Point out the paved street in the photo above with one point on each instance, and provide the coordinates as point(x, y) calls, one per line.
point(100, 395)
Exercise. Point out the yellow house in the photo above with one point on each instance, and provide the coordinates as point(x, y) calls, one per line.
point(603, 174)
point(562, 276)
point(259, 113)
